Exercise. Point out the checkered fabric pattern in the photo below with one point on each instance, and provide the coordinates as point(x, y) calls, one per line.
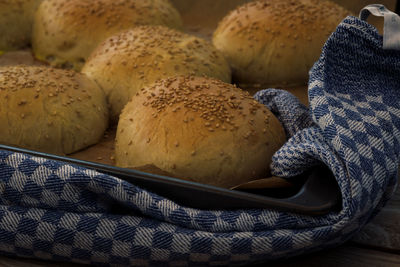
point(56, 211)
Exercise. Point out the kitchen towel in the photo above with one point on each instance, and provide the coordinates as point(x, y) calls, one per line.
point(57, 211)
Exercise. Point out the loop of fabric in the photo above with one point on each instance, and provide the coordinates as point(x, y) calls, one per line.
point(391, 28)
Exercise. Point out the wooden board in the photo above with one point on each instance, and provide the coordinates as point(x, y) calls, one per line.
point(345, 256)
point(20, 262)
point(384, 230)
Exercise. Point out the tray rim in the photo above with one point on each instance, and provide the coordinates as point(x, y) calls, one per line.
point(315, 203)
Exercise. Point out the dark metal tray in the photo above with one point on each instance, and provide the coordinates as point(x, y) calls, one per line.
point(316, 192)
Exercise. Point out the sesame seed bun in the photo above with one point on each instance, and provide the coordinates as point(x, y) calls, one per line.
point(199, 129)
point(126, 62)
point(65, 32)
point(276, 42)
point(50, 110)
point(16, 18)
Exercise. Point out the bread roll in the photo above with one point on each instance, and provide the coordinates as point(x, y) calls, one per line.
point(50, 110)
point(276, 42)
point(65, 32)
point(126, 62)
point(198, 129)
point(16, 18)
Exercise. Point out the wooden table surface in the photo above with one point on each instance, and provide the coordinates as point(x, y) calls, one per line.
point(377, 245)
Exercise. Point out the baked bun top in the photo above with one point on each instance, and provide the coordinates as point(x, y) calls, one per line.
point(16, 18)
point(126, 62)
point(276, 42)
point(50, 110)
point(65, 32)
point(199, 129)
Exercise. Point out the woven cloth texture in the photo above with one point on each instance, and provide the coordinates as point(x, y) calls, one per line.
point(57, 211)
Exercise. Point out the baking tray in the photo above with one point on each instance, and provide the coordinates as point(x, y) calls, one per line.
point(315, 193)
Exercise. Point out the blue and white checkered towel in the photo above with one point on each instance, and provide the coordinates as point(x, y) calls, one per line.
point(57, 211)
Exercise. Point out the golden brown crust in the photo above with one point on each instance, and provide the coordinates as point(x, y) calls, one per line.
point(199, 129)
point(65, 32)
point(50, 110)
point(126, 62)
point(276, 42)
point(16, 18)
